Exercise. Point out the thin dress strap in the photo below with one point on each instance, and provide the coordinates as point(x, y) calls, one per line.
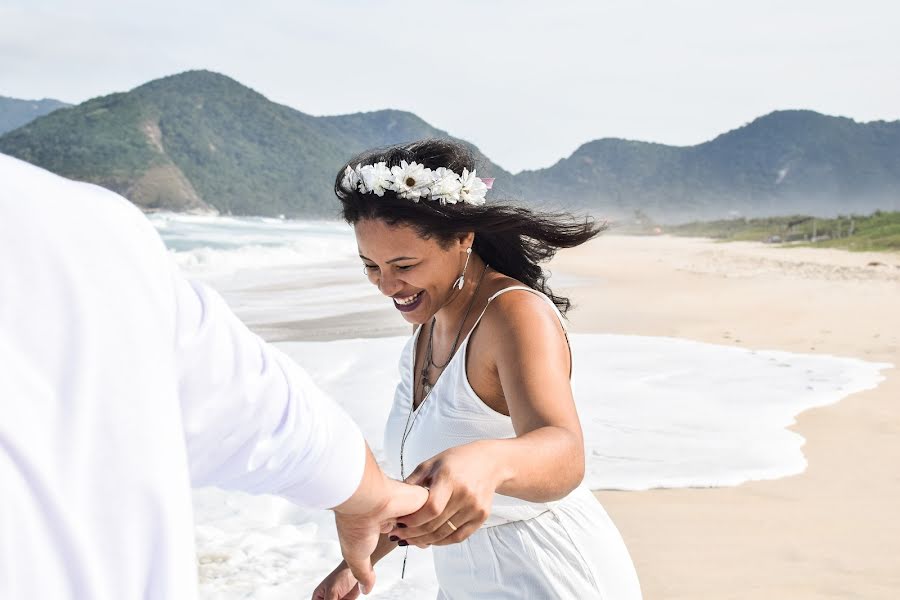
point(559, 315)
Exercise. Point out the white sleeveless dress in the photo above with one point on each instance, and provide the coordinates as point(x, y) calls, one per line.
point(566, 549)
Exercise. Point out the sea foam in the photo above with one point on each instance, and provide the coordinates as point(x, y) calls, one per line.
point(656, 412)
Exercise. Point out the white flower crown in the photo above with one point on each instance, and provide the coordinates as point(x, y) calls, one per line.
point(414, 181)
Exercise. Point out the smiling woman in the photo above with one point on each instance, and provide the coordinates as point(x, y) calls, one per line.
point(483, 415)
point(446, 200)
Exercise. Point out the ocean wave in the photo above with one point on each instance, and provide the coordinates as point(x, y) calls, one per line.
point(217, 246)
point(656, 412)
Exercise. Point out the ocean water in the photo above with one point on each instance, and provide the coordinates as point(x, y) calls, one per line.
point(271, 268)
point(656, 412)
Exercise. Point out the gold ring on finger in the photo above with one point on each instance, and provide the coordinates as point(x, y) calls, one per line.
point(452, 526)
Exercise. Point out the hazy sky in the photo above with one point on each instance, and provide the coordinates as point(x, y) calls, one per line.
point(528, 82)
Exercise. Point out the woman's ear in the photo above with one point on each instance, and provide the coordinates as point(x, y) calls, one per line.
point(467, 239)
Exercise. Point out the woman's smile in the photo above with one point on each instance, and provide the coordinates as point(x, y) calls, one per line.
point(408, 303)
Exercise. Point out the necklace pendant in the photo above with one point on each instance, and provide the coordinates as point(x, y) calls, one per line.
point(426, 388)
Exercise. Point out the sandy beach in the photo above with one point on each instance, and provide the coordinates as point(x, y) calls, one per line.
point(834, 530)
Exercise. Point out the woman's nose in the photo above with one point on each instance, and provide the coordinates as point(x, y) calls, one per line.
point(388, 284)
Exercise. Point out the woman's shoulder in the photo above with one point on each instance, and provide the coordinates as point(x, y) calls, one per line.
point(519, 310)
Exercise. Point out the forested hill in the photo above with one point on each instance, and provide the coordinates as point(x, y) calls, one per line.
point(200, 140)
point(15, 112)
point(786, 162)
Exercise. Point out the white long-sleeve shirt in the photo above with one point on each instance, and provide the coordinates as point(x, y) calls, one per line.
point(121, 385)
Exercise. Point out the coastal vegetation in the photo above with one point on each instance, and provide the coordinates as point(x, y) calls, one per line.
point(879, 231)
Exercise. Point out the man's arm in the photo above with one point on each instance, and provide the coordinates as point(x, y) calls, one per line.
point(255, 421)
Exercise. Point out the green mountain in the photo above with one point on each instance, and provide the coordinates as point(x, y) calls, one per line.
point(783, 163)
point(14, 112)
point(200, 139)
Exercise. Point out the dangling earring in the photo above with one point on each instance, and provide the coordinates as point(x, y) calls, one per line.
point(461, 280)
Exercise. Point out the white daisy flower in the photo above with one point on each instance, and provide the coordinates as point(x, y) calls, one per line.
point(411, 180)
point(376, 178)
point(473, 189)
point(350, 182)
point(446, 186)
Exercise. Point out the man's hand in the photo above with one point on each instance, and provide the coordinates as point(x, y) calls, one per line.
point(372, 510)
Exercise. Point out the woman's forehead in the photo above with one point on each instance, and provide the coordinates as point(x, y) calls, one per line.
point(376, 239)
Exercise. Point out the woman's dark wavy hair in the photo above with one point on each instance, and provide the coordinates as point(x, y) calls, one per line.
point(512, 239)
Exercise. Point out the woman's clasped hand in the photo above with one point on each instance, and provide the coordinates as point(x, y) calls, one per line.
point(461, 483)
